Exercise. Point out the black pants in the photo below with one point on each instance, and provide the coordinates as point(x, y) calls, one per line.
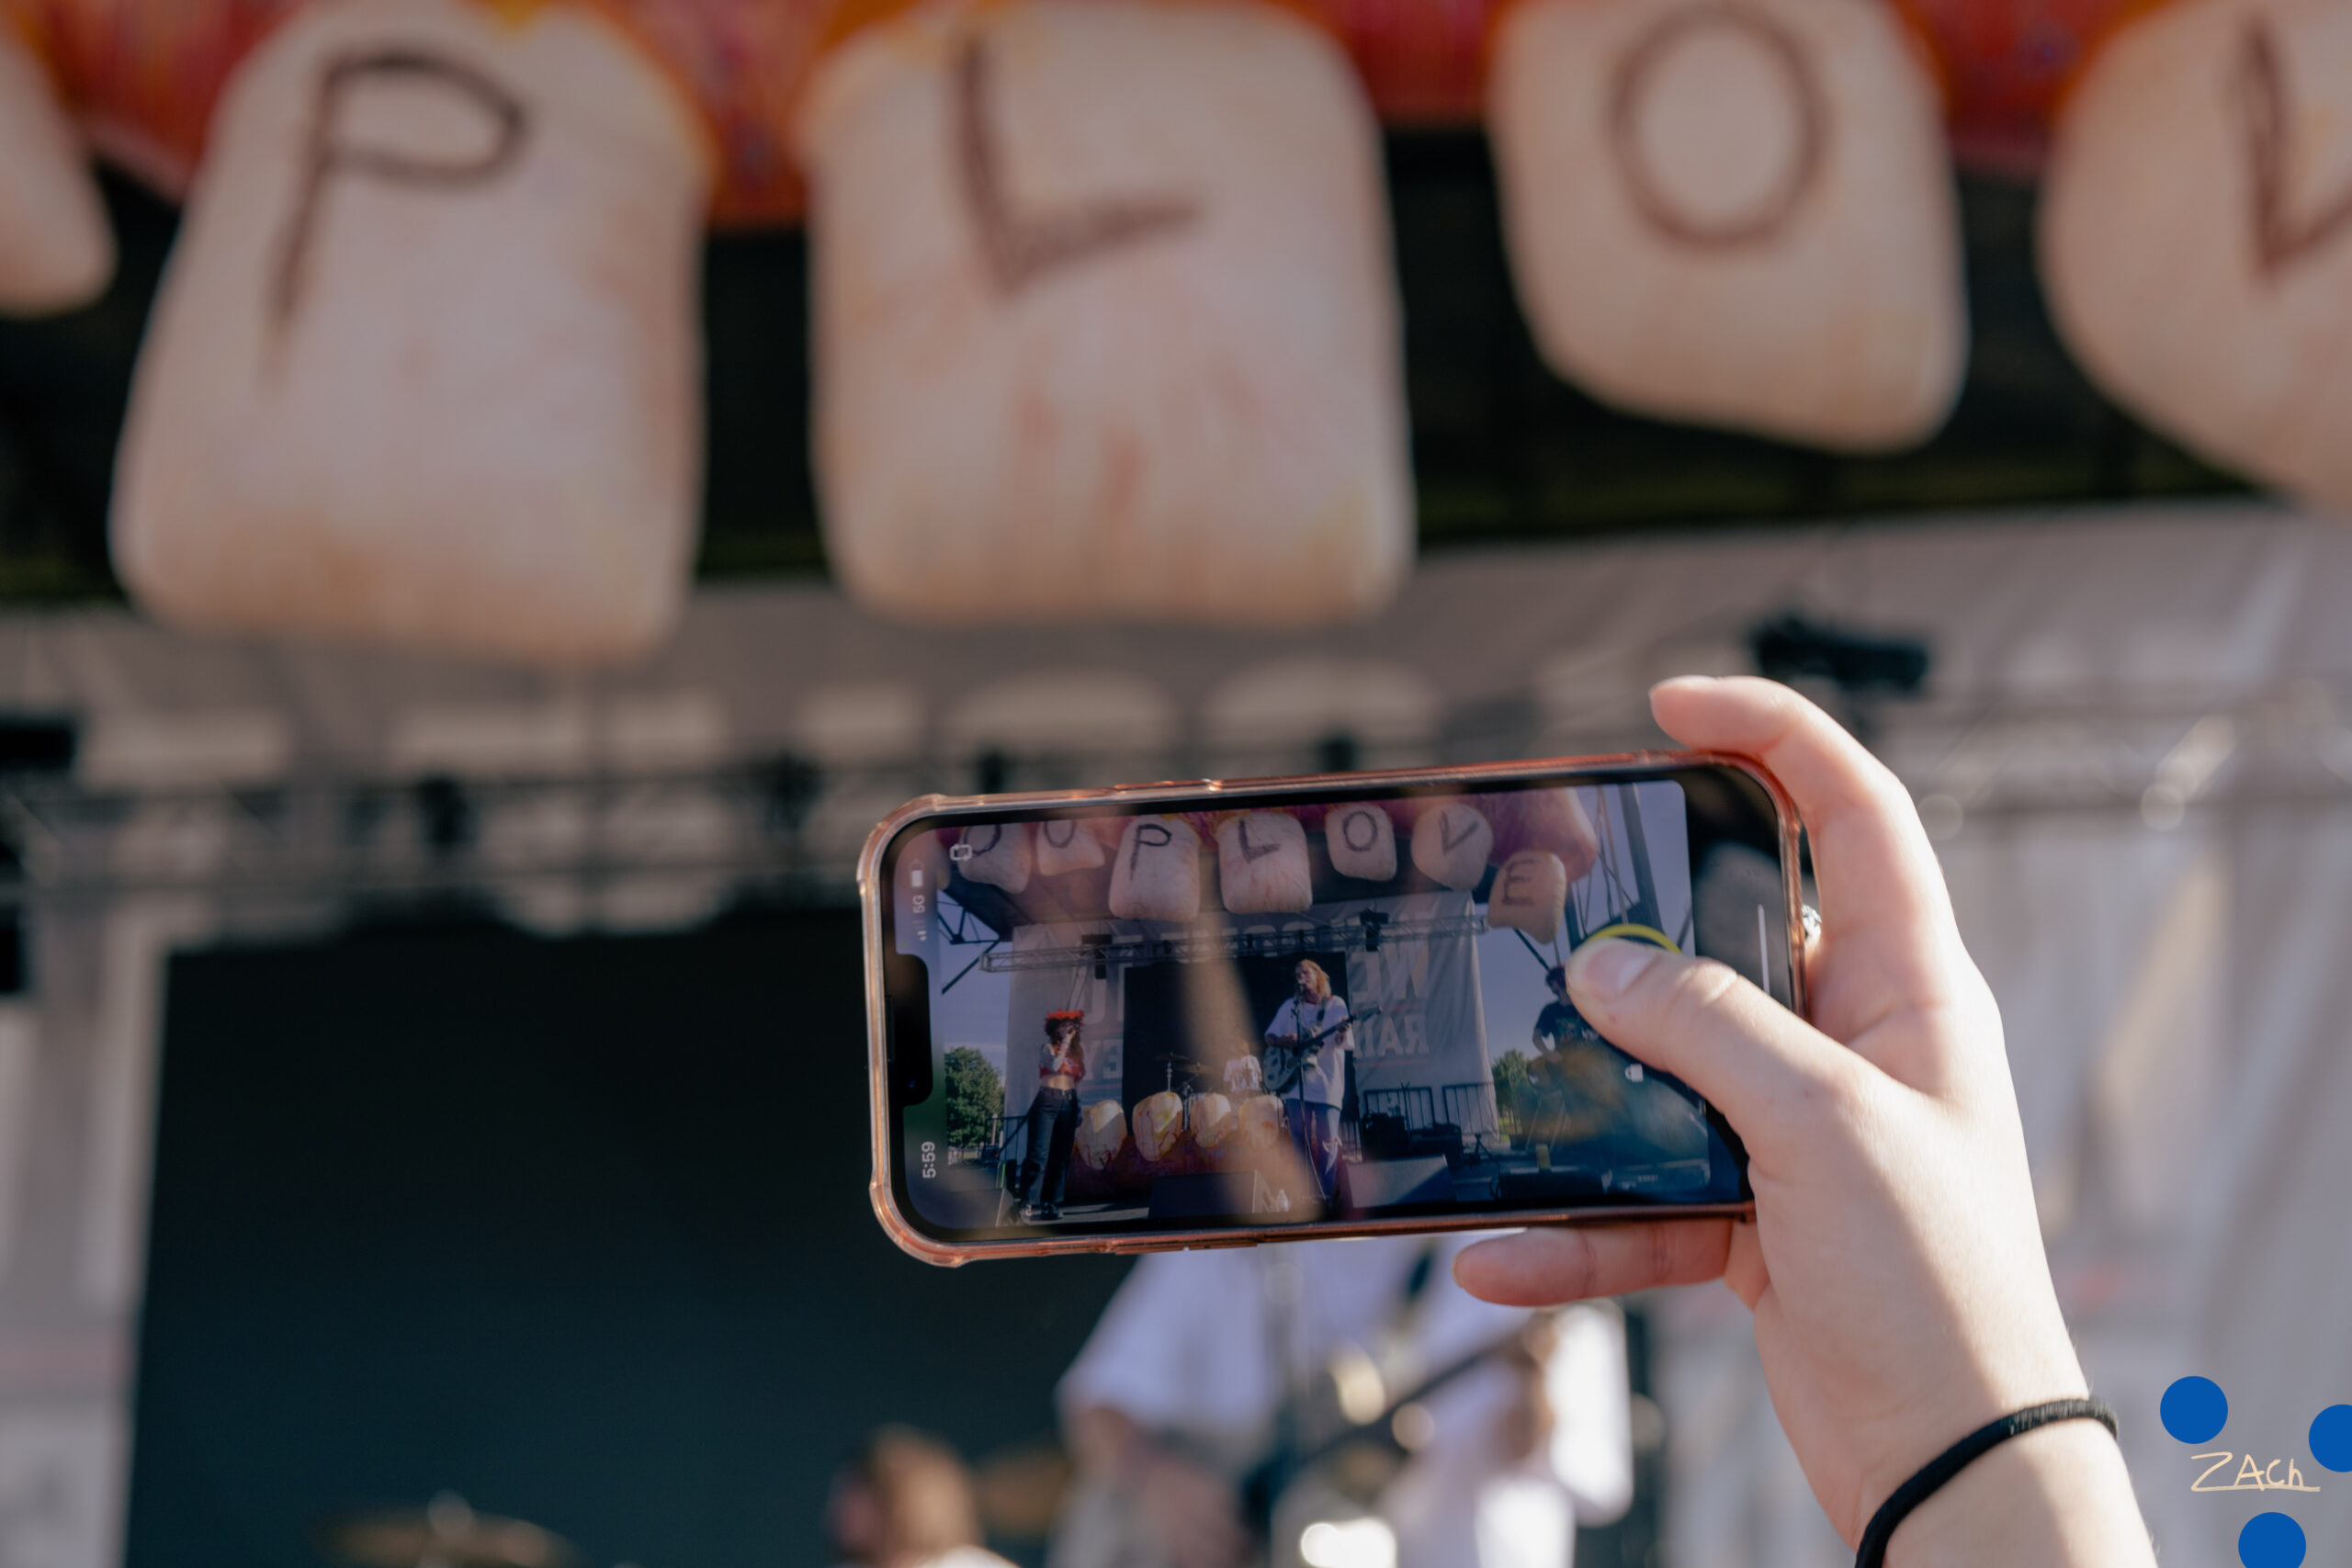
point(1053, 1123)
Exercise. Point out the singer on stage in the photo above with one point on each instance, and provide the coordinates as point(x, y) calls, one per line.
point(1314, 1023)
point(1053, 1116)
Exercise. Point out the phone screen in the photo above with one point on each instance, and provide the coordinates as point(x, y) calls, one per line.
point(1305, 1007)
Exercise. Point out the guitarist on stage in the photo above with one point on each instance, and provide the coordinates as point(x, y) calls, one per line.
point(1312, 1024)
point(1194, 1413)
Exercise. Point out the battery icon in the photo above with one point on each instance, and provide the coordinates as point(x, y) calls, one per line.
point(915, 877)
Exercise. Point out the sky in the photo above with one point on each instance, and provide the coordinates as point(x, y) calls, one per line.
point(1510, 978)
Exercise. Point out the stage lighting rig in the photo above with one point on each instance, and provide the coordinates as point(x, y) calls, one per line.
point(1789, 647)
point(1098, 943)
point(1100, 951)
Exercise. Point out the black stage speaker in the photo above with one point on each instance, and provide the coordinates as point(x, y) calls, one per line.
point(1442, 1138)
point(1383, 1136)
point(1214, 1195)
point(1389, 1184)
point(1222, 1194)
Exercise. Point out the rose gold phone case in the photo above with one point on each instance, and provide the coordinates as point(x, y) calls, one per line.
point(1203, 794)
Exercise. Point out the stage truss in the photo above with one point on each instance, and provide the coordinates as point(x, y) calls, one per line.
point(584, 848)
point(1365, 933)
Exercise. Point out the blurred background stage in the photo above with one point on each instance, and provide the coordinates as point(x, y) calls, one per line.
point(496, 1032)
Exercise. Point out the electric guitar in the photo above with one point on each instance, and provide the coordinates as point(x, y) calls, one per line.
point(1326, 1456)
point(1284, 1062)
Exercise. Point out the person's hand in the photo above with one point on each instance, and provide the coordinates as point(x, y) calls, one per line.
point(1894, 1265)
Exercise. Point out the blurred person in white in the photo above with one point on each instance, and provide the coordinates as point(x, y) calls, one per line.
point(1231, 1403)
point(904, 1500)
point(1909, 1334)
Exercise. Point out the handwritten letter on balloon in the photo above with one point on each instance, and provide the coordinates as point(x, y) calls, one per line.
point(423, 368)
point(1679, 207)
point(2197, 232)
point(2283, 230)
point(1020, 247)
point(331, 152)
point(1060, 250)
point(1157, 874)
point(1738, 211)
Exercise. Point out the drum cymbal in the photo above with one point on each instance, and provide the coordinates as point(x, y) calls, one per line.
point(445, 1533)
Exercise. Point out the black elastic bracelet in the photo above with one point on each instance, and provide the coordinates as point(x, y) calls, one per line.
point(1958, 1456)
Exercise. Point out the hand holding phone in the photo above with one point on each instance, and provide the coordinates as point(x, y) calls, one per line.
point(1894, 1265)
point(1414, 920)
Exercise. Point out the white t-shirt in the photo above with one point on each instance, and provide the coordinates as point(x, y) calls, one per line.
point(1197, 1346)
point(1322, 1078)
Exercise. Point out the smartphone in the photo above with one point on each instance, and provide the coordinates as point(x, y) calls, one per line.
point(1214, 1013)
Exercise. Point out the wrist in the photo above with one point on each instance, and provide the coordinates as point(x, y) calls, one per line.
point(1980, 1388)
point(2055, 1497)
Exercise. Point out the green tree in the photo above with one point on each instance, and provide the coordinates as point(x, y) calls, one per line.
point(974, 1096)
point(1514, 1088)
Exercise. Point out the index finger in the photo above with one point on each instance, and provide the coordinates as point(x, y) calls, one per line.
point(1887, 927)
point(1547, 1265)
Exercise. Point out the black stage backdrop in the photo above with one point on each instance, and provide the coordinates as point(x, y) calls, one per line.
point(577, 1229)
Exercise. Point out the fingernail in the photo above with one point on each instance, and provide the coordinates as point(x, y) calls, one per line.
point(1607, 970)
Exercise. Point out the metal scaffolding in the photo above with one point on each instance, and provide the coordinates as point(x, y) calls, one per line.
point(1365, 933)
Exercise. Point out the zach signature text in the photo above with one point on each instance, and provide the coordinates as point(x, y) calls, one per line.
point(2251, 1477)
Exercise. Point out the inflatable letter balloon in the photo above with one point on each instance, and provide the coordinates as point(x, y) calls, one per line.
point(1102, 1134)
point(1451, 842)
point(1733, 211)
point(1158, 1125)
point(2197, 232)
point(1361, 840)
point(1104, 322)
point(1543, 819)
point(1213, 1120)
point(1261, 864)
point(424, 367)
point(56, 249)
point(1157, 874)
point(1529, 891)
point(1000, 855)
point(1067, 845)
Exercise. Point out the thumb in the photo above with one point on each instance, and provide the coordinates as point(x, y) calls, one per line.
point(1752, 1058)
